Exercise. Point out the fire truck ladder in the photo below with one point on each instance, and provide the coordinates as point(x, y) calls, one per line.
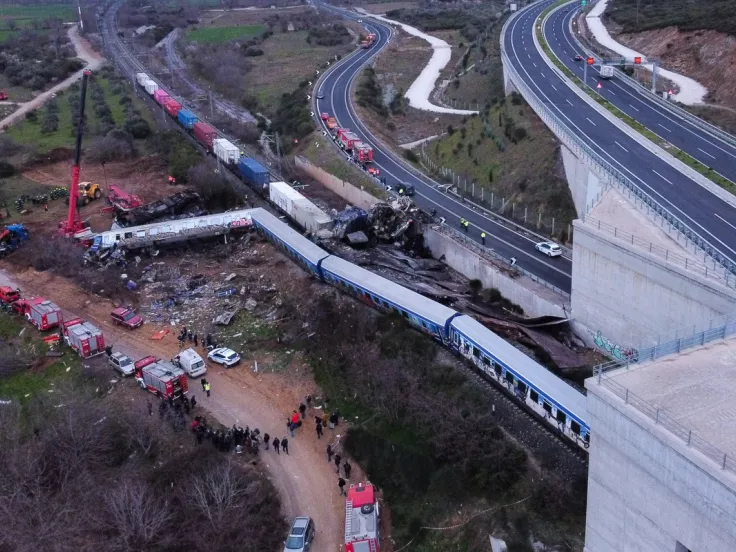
point(348, 520)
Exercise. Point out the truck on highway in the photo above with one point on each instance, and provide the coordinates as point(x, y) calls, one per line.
point(369, 40)
point(346, 139)
point(362, 153)
point(331, 124)
point(606, 71)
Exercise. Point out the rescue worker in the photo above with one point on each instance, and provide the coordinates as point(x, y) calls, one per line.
point(319, 429)
point(341, 484)
point(348, 468)
point(193, 401)
point(276, 444)
point(195, 340)
point(324, 419)
point(467, 225)
point(302, 410)
point(150, 408)
point(483, 238)
point(462, 223)
point(329, 453)
point(308, 400)
point(337, 462)
point(333, 420)
point(203, 381)
point(285, 445)
point(266, 439)
point(207, 388)
point(46, 207)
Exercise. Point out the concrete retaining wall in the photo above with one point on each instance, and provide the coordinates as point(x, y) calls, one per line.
point(535, 299)
point(350, 193)
point(584, 184)
point(627, 294)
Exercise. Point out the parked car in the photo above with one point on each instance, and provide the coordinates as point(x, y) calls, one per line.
point(223, 355)
point(550, 249)
point(189, 361)
point(126, 317)
point(122, 363)
point(300, 536)
point(320, 96)
point(325, 116)
point(578, 57)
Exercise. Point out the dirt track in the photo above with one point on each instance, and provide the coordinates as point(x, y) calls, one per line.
point(306, 482)
point(85, 52)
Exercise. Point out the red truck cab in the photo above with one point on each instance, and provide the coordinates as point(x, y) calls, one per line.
point(123, 316)
point(8, 294)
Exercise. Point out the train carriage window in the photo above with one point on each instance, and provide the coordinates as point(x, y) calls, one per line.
point(575, 427)
point(497, 368)
point(405, 314)
point(509, 377)
point(476, 351)
point(534, 396)
point(547, 407)
point(486, 360)
point(561, 417)
point(521, 386)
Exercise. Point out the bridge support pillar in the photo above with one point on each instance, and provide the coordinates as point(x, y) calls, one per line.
point(585, 186)
point(508, 85)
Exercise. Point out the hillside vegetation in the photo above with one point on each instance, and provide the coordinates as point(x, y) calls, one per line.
point(687, 15)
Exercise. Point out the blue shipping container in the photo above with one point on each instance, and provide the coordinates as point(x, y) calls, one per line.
point(253, 172)
point(187, 118)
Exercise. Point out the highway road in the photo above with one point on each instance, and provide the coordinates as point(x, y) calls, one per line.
point(697, 142)
point(706, 214)
point(333, 97)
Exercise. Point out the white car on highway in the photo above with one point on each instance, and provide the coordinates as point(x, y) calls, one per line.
point(550, 249)
point(223, 355)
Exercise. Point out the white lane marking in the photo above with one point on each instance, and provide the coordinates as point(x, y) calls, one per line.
point(664, 127)
point(553, 86)
point(706, 153)
point(724, 220)
point(568, 101)
point(634, 108)
point(660, 176)
point(619, 145)
point(612, 92)
point(534, 64)
point(591, 122)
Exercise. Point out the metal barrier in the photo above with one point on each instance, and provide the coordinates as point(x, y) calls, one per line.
point(603, 168)
point(664, 253)
point(660, 417)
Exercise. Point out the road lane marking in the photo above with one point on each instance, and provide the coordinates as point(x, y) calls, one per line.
point(706, 153)
point(664, 127)
point(724, 220)
point(591, 122)
point(660, 176)
point(568, 101)
point(634, 108)
point(612, 92)
point(553, 86)
point(534, 64)
point(623, 148)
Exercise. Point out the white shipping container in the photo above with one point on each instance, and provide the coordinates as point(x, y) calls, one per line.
point(297, 207)
point(225, 150)
point(141, 78)
point(150, 86)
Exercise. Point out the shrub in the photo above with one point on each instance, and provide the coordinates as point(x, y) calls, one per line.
point(32, 116)
point(6, 169)
point(411, 156)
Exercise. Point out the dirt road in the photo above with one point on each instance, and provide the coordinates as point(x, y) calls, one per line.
point(306, 482)
point(85, 52)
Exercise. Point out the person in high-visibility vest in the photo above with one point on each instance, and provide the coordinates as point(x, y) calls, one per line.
point(462, 222)
point(401, 191)
point(483, 238)
point(467, 225)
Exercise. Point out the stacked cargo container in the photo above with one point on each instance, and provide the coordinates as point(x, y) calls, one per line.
point(172, 107)
point(226, 151)
point(297, 207)
point(150, 86)
point(141, 79)
point(187, 118)
point(253, 172)
point(204, 134)
point(160, 96)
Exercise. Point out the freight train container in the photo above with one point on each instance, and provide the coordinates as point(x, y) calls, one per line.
point(150, 86)
point(141, 78)
point(187, 118)
point(160, 96)
point(297, 207)
point(43, 314)
point(225, 150)
point(172, 107)
point(253, 172)
point(85, 338)
point(346, 139)
point(159, 376)
point(204, 134)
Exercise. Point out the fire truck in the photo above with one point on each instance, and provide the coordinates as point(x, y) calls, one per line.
point(161, 376)
point(331, 123)
point(361, 519)
point(85, 338)
point(369, 40)
point(38, 311)
point(362, 153)
point(346, 139)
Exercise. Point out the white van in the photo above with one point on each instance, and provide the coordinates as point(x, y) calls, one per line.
point(189, 361)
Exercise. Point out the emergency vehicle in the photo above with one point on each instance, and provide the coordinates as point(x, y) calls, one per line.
point(161, 376)
point(38, 311)
point(84, 337)
point(361, 519)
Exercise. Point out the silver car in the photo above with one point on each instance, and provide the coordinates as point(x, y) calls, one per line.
point(550, 249)
point(223, 355)
point(300, 536)
point(122, 363)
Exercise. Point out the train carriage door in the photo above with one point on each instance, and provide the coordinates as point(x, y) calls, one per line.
point(547, 408)
point(575, 428)
point(561, 419)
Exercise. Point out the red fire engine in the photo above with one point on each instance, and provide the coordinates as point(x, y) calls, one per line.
point(362, 153)
point(361, 519)
point(346, 139)
point(161, 376)
point(41, 313)
point(85, 338)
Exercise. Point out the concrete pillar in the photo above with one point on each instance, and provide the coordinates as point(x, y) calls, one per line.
point(585, 186)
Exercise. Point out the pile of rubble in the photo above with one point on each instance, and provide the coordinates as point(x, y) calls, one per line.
point(387, 222)
point(179, 205)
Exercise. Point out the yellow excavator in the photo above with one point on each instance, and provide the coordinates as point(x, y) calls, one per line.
point(88, 191)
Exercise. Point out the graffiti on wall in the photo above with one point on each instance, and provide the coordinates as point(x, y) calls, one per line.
point(623, 354)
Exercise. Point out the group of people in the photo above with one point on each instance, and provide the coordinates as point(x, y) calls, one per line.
point(188, 335)
point(234, 439)
point(174, 409)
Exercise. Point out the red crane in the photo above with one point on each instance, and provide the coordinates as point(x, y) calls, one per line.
point(73, 223)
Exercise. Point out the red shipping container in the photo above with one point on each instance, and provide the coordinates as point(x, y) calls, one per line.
point(204, 134)
point(160, 96)
point(172, 107)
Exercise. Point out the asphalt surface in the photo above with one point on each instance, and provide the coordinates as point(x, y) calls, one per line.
point(703, 212)
point(333, 97)
point(698, 143)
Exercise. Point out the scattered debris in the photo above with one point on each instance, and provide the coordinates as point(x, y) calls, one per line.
point(225, 318)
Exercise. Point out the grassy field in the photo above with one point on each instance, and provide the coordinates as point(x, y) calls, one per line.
point(24, 16)
point(718, 15)
point(224, 34)
point(29, 133)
